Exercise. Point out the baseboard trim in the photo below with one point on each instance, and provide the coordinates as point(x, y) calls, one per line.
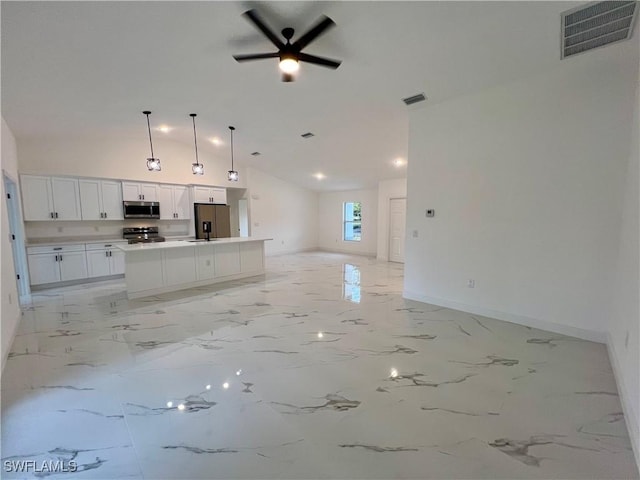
point(582, 333)
point(347, 252)
point(291, 252)
point(630, 415)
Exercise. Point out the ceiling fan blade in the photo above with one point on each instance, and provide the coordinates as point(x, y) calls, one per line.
point(288, 77)
point(322, 26)
point(325, 62)
point(253, 16)
point(255, 56)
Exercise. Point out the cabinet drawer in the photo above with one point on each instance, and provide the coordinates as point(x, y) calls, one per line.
point(55, 248)
point(104, 246)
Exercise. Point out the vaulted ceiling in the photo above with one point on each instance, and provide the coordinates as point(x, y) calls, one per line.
point(90, 68)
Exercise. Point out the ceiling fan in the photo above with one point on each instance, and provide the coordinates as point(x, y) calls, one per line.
point(290, 54)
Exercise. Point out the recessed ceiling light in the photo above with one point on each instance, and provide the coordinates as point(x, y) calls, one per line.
point(216, 141)
point(399, 162)
point(307, 135)
point(164, 128)
point(255, 154)
point(319, 176)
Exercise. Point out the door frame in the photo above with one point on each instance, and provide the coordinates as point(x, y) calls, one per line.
point(389, 225)
point(16, 228)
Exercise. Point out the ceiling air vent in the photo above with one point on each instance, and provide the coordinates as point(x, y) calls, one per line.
point(307, 135)
point(414, 99)
point(595, 25)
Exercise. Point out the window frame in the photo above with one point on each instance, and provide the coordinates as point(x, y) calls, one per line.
point(353, 221)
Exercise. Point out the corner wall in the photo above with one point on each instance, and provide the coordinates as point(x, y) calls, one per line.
point(9, 292)
point(331, 217)
point(527, 181)
point(282, 211)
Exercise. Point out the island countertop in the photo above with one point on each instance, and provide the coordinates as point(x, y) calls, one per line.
point(136, 247)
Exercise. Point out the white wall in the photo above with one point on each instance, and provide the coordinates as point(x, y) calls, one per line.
point(387, 189)
point(9, 292)
point(526, 181)
point(624, 331)
point(330, 218)
point(125, 159)
point(282, 211)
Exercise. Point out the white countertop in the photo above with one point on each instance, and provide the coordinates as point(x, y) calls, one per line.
point(137, 247)
point(43, 242)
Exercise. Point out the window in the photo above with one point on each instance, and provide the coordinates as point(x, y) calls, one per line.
point(352, 230)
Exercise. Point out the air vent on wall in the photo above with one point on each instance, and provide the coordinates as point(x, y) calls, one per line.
point(595, 25)
point(414, 99)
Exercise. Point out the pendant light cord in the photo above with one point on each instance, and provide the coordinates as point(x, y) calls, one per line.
point(232, 129)
point(149, 128)
point(195, 140)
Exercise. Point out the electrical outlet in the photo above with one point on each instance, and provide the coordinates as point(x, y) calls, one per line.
point(414, 234)
point(471, 283)
point(430, 213)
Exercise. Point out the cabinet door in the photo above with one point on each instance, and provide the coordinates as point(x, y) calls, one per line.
point(90, 199)
point(43, 268)
point(202, 195)
point(116, 261)
point(131, 192)
point(181, 202)
point(165, 197)
point(219, 195)
point(227, 257)
point(66, 198)
point(37, 199)
point(149, 192)
point(73, 265)
point(112, 200)
point(180, 265)
point(97, 263)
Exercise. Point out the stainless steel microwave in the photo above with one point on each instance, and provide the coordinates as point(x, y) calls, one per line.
point(141, 209)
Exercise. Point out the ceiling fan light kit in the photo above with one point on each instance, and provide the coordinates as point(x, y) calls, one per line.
point(153, 164)
point(290, 54)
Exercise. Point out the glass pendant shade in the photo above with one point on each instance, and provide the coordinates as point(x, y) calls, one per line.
point(153, 164)
point(197, 168)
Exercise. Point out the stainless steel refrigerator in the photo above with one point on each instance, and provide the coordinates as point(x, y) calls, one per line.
point(219, 217)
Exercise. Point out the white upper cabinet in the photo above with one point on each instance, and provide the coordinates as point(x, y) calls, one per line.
point(101, 199)
point(50, 198)
point(204, 194)
point(174, 202)
point(135, 191)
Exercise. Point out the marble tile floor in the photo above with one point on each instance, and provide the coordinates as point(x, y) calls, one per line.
point(319, 369)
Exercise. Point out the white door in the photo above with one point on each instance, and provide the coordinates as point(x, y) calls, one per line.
point(90, 199)
point(181, 202)
point(43, 268)
point(149, 192)
point(397, 222)
point(66, 198)
point(131, 192)
point(165, 197)
point(98, 263)
point(243, 217)
point(73, 265)
point(112, 200)
point(37, 200)
point(202, 195)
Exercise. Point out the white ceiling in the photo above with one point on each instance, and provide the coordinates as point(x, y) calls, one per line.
point(90, 68)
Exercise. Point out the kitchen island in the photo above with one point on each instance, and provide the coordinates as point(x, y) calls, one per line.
point(153, 268)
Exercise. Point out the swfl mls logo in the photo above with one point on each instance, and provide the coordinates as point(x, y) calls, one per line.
point(45, 466)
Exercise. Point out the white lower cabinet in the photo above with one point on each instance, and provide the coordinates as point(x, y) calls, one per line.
point(227, 259)
point(104, 259)
point(144, 270)
point(205, 262)
point(56, 263)
point(180, 265)
point(252, 257)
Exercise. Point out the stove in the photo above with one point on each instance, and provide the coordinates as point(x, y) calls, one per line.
point(142, 235)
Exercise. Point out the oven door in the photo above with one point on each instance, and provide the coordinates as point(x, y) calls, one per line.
point(141, 209)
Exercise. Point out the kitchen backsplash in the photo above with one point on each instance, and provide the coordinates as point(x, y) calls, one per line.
point(59, 229)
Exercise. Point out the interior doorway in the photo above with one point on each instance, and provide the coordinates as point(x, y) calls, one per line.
point(243, 217)
point(16, 235)
point(397, 223)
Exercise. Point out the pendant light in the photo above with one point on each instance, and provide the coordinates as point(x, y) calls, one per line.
point(197, 168)
point(153, 164)
point(232, 175)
